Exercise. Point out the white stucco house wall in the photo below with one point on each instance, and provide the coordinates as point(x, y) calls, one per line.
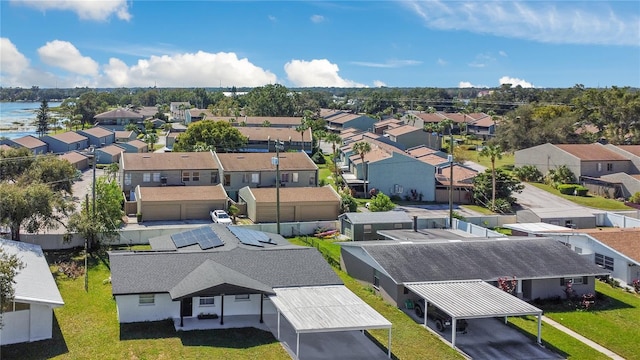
point(30, 314)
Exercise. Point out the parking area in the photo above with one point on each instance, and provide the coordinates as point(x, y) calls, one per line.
point(491, 339)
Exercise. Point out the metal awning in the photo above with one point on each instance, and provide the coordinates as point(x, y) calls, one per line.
point(330, 308)
point(470, 299)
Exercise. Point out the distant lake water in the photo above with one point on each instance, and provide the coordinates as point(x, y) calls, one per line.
point(16, 118)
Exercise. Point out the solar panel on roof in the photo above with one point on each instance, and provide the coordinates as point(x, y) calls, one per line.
point(208, 239)
point(181, 240)
point(250, 237)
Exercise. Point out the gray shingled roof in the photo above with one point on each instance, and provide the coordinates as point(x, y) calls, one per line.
point(211, 278)
point(158, 272)
point(486, 260)
point(377, 217)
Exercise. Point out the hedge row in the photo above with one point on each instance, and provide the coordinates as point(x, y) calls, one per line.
point(573, 189)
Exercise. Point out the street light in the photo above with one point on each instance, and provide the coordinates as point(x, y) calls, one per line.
point(276, 161)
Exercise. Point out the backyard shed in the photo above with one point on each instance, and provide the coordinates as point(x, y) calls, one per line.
point(365, 226)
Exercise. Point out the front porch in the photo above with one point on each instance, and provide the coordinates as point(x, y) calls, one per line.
point(230, 322)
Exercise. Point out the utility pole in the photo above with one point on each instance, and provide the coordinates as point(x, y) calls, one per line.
point(93, 151)
point(276, 161)
point(451, 177)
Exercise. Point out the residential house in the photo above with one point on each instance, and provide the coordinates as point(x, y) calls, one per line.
point(170, 139)
point(364, 226)
point(381, 126)
point(263, 139)
point(340, 121)
point(193, 115)
point(542, 267)
point(123, 136)
point(134, 146)
point(108, 154)
point(462, 183)
point(231, 274)
point(179, 202)
point(5, 147)
point(29, 316)
point(147, 111)
point(428, 155)
point(584, 160)
point(65, 142)
point(32, 143)
point(410, 136)
point(77, 159)
point(623, 184)
point(238, 170)
point(296, 203)
point(98, 136)
point(481, 124)
point(574, 218)
point(613, 249)
point(166, 169)
point(179, 110)
point(118, 119)
point(259, 121)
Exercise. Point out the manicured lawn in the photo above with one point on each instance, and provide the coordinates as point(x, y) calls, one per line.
point(472, 155)
point(613, 323)
point(479, 209)
point(596, 202)
point(86, 327)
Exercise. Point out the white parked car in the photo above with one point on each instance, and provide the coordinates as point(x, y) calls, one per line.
point(220, 217)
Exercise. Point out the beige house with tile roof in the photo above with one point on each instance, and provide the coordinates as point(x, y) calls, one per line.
point(172, 203)
point(296, 204)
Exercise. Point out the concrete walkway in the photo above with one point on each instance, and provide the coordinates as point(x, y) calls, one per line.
point(583, 339)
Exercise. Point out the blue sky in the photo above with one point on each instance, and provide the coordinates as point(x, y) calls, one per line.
point(68, 43)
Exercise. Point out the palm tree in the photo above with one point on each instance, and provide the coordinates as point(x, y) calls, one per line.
point(151, 138)
point(493, 152)
point(362, 148)
point(335, 140)
point(301, 129)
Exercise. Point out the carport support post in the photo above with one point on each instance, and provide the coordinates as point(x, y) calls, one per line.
point(278, 324)
point(389, 345)
point(261, 305)
point(297, 345)
point(453, 331)
point(539, 328)
point(222, 311)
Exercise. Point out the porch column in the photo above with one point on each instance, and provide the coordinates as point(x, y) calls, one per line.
point(453, 331)
point(297, 345)
point(426, 305)
point(539, 328)
point(519, 289)
point(261, 304)
point(222, 310)
point(181, 316)
point(389, 345)
point(278, 324)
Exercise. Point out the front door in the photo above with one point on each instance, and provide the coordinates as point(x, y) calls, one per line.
point(186, 307)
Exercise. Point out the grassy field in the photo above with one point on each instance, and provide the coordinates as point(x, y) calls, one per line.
point(613, 323)
point(86, 327)
point(478, 209)
point(596, 202)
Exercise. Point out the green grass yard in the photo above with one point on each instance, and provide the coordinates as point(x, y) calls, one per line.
point(596, 202)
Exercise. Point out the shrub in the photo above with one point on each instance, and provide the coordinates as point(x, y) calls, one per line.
point(635, 198)
point(395, 198)
point(502, 206)
point(318, 158)
point(561, 175)
point(567, 189)
point(581, 190)
point(528, 173)
point(349, 204)
point(71, 269)
point(322, 182)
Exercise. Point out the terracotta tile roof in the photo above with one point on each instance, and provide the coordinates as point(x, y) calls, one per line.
point(98, 131)
point(433, 159)
point(344, 118)
point(402, 130)
point(293, 194)
point(182, 193)
point(262, 161)
point(121, 134)
point(29, 142)
point(69, 137)
point(462, 176)
point(349, 131)
point(273, 133)
point(421, 150)
point(111, 149)
point(587, 128)
point(625, 240)
point(137, 143)
point(486, 121)
point(73, 157)
point(633, 149)
point(119, 114)
point(169, 161)
point(590, 152)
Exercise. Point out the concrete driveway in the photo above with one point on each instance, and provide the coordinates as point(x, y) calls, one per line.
point(534, 198)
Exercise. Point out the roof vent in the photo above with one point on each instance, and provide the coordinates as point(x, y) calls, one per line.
point(146, 157)
point(184, 156)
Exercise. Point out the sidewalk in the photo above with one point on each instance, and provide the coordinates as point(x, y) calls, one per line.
point(583, 339)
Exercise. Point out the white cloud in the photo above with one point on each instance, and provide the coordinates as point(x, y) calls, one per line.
point(466, 84)
point(378, 83)
point(12, 61)
point(388, 63)
point(317, 19)
point(199, 69)
point(482, 60)
point(558, 22)
point(502, 53)
point(442, 62)
point(515, 82)
point(317, 72)
point(272, 18)
point(100, 10)
point(64, 55)
point(16, 69)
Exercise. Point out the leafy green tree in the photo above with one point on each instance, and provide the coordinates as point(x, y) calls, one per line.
point(493, 152)
point(42, 118)
point(151, 137)
point(87, 106)
point(57, 173)
point(529, 173)
point(220, 136)
point(233, 212)
point(335, 140)
point(102, 225)
point(362, 148)
point(349, 204)
point(506, 185)
point(381, 202)
point(14, 162)
point(560, 175)
point(27, 206)
point(271, 100)
point(10, 266)
point(302, 128)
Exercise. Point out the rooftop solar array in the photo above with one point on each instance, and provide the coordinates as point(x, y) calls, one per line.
point(250, 237)
point(204, 236)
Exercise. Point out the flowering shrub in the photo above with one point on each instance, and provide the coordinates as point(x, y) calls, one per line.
point(588, 300)
point(636, 285)
point(507, 285)
point(568, 289)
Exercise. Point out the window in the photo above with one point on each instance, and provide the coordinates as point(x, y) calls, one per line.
point(147, 299)
point(16, 306)
point(195, 176)
point(312, 180)
point(294, 177)
point(156, 177)
point(599, 167)
point(207, 301)
point(127, 179)
point(146, 177)
point(185, 176)
point(376, 279)
point(245, 178)
point(255, 178)
point(604, 261)
point(284, 177)
point(227, 180)
point(583, 280)
point(609, 166)
point(214, 178)
point(367, 229)
point(242, 297)
point(397, 226)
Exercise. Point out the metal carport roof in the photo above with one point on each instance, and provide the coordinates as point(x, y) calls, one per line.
point(326, 309)
point(468, 299)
